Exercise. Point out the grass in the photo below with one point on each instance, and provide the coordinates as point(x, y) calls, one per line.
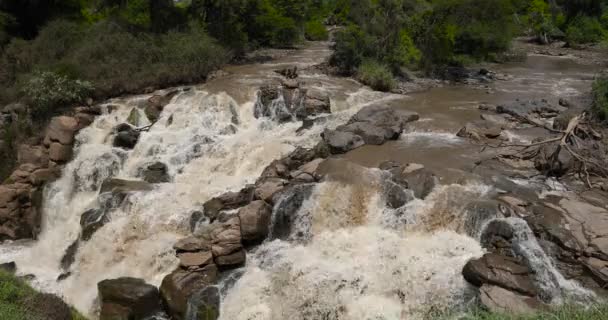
point(566, 312)
point(14, 297)
point(376, 75)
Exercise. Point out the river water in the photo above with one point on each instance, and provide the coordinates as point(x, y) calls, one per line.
point(361, 261)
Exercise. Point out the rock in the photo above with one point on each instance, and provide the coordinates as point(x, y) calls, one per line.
point(290, 83)
point(502, 271)
point(497, 119)
point(116, 186)
point(288, 72)
point(233, 260)
point(47, 306)
point(19, 212)
point(204, 304)
point(62, 130)
point(397, 197)
point(9, 267)
point(255, 221)
point(523, 109)
point(37, 155)
point(421, 182)
point(157, 103)
point(41, 176)
point(91, 220)
point(342, 142)
point(276, 169)
point(385, 117)
point(84, 119)
point(128, 298)
point(499, 300)
point(480, 130)
point(60, 153)
point(156, 173)
point(599, 269)
point(487, 107)
point(126, 137)
point(315, 102)
point(368, 132)
point(267, 187)
point(226, 238)
point(69, 256)
point(479, 213)
point(178, 287)
point(553, 160)
point(134, 118)
point(228, 201)
point(287, 203)
point(192, 244)
point(195, 259)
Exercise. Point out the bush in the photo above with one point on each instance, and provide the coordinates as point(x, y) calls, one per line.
point(315, 30)
point(600, 97)
point(406, 53)
point(47, 90)
point(584, 30)
point(350, 48)
point(376, 75)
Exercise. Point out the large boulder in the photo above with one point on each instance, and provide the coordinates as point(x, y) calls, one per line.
point(267, 187)
point(502, 301)
point(126, 137)
point(502, 271)
point(60, 153)
point(255, 221)
point(385, 117)
point(525, 109)
point(47, 306)
point(178, 287)
point(37, 155)
point(227, 245)
point(287, 203)
point(478, 213)
point(342, 142)
point(62, 130)
point(19, 214)
point(128, 299)
point(421, 182)
point(290, 101)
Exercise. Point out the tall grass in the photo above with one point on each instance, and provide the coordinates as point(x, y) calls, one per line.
point(566, 312)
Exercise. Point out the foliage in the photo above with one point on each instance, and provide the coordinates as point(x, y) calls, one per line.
point(315, 30)
point(584, 29)
point(47, 90)
point(375, 75)
point(600, 97)
point(351, 46)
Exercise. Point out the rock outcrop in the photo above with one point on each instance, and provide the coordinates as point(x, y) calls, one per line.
point(373, 125)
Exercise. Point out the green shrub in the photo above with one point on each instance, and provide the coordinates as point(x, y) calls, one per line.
point(351, 46)
point(47, 90)
point(600, 97)
point(567, 312)
point(584, 30)
point(406, 53)
point(376, 75)
point(276, 30)
point(315, 30)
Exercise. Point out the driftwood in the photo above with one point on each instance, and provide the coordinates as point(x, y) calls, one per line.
point(570, 140)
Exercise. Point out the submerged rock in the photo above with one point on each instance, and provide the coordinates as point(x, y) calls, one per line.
point(91, 220)
point(480, 130)
point(126, 137)
point(287, 203)
point(128, 298)
point(156, 172)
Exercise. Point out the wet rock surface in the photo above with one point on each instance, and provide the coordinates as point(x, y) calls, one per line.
point(128, 298)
